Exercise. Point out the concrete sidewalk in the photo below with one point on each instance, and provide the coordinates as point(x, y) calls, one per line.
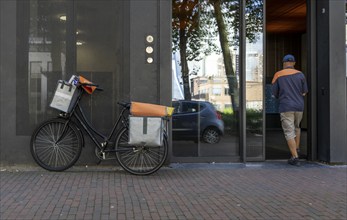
point(269, 190)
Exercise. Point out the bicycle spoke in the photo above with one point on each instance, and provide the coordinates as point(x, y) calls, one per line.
point(52, 155)
point(46, 134)
point(139, 159)
point(129, 158)
point(153, 158)
point(44, 141)
point(64, 157)
point(67, 152)
point(45, 153)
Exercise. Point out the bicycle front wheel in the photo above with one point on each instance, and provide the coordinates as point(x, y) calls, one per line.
point(139, 160)
point(55, 148)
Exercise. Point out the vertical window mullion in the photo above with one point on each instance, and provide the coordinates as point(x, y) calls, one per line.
point(242, 116)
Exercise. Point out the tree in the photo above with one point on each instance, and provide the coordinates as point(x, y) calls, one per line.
point(197, 23)
point(225, 46)
point(189, 36)
point(230, 20)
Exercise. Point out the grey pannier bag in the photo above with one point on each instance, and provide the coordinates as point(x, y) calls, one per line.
point(146, 131)
point(64, 97)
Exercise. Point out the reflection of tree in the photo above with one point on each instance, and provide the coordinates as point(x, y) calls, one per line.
point(48, 29)
point(219, 17)
point(227, 15)
point(225, 46)
point(189, 36)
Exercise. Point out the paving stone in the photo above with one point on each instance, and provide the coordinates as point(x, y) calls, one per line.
point(181, 191)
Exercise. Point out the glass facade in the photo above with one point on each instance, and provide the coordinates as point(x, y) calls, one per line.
point(254, 80)
point(41, 58)
point(218, 83)
point(206, 72)
point(59, 38)
point(204, 33)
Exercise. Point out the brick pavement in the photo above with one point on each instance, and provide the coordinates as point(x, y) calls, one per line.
point(270, 190)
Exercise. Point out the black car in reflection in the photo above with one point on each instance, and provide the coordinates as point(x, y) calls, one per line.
point(196, 120)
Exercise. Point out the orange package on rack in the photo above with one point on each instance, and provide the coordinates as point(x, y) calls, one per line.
point(146, 109)
point(88, 89)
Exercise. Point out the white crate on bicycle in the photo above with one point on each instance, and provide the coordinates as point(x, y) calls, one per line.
point(146, 131)
point(64, 97)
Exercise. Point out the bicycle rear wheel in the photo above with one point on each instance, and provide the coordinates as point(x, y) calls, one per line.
point(139, 160)
point(53, 154)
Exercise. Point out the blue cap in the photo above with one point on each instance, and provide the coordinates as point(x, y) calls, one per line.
point(288, 58)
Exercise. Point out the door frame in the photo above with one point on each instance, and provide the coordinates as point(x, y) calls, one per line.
point(310, 77)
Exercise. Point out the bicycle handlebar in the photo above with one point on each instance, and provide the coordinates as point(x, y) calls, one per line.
point(92, 84)
point(124, 104)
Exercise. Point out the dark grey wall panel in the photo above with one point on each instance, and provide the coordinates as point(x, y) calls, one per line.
point(150, 82)
point(323, 121)
point(164, 56)
point(144, 85)
point(338, 151)
point(13, 149)
point(331, 82)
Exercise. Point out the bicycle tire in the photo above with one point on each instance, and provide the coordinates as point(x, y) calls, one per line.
point(56, 156)
point(139, 160)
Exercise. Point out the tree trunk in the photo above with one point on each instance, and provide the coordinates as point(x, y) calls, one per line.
point(184, 65)
point(230, 74)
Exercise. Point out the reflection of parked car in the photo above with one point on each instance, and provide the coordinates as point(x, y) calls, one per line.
point(194, 119)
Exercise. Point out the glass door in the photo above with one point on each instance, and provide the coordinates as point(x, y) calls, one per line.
point(286, 33)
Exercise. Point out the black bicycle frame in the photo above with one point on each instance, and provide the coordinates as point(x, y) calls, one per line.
point(91, 131)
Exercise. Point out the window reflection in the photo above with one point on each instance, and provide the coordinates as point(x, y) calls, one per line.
point(99, 58)
point(58, 38)
point(254, 79)
point(205, 71)
point(254, 97)
point(206, 68)
point(41, 58)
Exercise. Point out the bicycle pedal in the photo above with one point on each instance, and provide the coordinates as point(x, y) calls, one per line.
point(99, 161)
point(103, 155)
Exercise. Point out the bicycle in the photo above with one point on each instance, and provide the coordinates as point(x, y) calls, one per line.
point(56, 144)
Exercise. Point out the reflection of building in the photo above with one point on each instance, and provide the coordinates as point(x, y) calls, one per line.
point(40, 72)
point(254, 66)
point(215, 89)
point(213, 65)
point(213, 85)
point(254, 95)
point(254, 80)
point(177, 87)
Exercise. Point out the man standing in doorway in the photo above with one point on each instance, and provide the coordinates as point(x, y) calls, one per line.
point(289, 86)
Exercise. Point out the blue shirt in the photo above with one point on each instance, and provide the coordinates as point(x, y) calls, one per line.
point(288, 86)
